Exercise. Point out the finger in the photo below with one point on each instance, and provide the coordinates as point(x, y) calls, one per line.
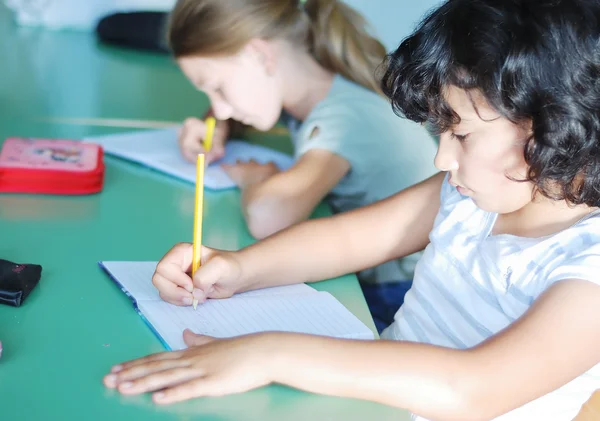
point(190, 140)
point(191, 154)
point(181, 254)
point(172, 274)
point(192, 132)
point(176, 265)
point(136, 371)
point(111, 380)
point(171, 293)
point(209, 274)
point(199, 295)
point(159, 380)
point(192, 339)
point(188, 390)
point(169, 355)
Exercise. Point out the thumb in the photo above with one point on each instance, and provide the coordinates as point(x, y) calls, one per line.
point(192, 339)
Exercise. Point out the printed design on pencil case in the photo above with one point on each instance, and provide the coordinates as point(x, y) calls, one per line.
point(72, 155)
point(49, 154)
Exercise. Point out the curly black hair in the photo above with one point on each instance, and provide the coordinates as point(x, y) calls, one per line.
point(534, 61)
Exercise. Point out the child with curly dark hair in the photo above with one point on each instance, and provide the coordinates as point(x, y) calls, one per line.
point(502, 319)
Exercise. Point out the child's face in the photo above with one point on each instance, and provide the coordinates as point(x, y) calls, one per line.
point(241, 87)
point(482, 152)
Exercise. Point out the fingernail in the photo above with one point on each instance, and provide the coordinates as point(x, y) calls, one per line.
point(159, 395)
point(187, 301)
point(111, 379)
point(198, 294)
point(116, 368)
point(126, 385)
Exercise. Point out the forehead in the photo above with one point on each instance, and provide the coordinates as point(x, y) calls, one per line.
point(201, 70)
point(470, 106)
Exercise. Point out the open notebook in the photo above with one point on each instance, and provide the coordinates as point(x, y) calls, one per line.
point(295, 308)
point(157, 149)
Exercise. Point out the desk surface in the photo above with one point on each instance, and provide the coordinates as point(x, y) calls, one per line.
point(77, 323)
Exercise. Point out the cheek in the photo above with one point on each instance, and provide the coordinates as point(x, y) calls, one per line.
point(258, 96)
point(486, 164)
point(495, 190)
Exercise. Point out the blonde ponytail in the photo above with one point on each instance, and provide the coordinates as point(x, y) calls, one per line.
point(340, 42)
point(333, 32)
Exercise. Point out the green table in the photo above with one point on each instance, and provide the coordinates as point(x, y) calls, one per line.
point(77, 323)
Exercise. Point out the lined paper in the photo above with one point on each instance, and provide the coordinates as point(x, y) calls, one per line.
point(318, 314)
point(158, 149)
point(295, 308)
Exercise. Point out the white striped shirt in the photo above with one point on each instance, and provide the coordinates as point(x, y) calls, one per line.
point(470, 284)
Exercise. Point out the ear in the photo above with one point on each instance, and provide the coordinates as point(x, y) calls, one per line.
point(265, 52)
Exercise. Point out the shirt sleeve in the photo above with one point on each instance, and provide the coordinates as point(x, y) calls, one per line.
point(582, 256)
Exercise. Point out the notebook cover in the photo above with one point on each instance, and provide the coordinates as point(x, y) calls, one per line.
point(135, 306)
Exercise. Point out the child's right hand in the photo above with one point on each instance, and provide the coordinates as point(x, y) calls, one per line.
point(219, 276)
point(192, 135)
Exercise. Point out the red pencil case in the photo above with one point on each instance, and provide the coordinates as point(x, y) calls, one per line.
point(51, 166)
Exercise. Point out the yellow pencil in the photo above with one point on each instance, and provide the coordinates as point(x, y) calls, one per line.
point(210, 131)
point(198, 211)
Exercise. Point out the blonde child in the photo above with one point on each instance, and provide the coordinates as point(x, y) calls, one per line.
point(314, 63)
point(502, 319)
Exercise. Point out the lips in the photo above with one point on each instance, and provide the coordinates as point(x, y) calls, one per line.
point(461, 189)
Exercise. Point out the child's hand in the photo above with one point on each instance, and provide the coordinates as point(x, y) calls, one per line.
point(192, 135)
point(219, 275)
point(210, 367)
point(250, 172)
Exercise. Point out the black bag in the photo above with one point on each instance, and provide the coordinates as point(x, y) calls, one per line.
point(17, 281)
point(137, 30)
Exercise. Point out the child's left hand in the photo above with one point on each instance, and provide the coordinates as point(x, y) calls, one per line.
point(209, 367)
point(250, 172)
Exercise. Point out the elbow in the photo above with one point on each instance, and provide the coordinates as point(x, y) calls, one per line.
point(465, 399)
point(261, 228)
point(474, 403)
point(265, 218)
point(462, 409)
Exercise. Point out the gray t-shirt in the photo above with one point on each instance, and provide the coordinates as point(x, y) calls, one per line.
point(386, 154)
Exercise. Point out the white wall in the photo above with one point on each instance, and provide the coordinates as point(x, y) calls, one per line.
point(393, 20)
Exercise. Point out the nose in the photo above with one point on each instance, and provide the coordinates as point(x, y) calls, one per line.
point(220, 108)
point(446, 158)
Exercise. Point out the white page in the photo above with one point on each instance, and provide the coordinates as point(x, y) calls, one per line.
point(292, 308)
point(135, 278)
point(158, 149)
point(319, 314)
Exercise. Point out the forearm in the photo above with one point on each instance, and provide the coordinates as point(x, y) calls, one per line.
point(349, 242)
point(422, 378)
point(311, 251)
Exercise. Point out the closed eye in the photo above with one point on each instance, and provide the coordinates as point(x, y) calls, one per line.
point(460, 138)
